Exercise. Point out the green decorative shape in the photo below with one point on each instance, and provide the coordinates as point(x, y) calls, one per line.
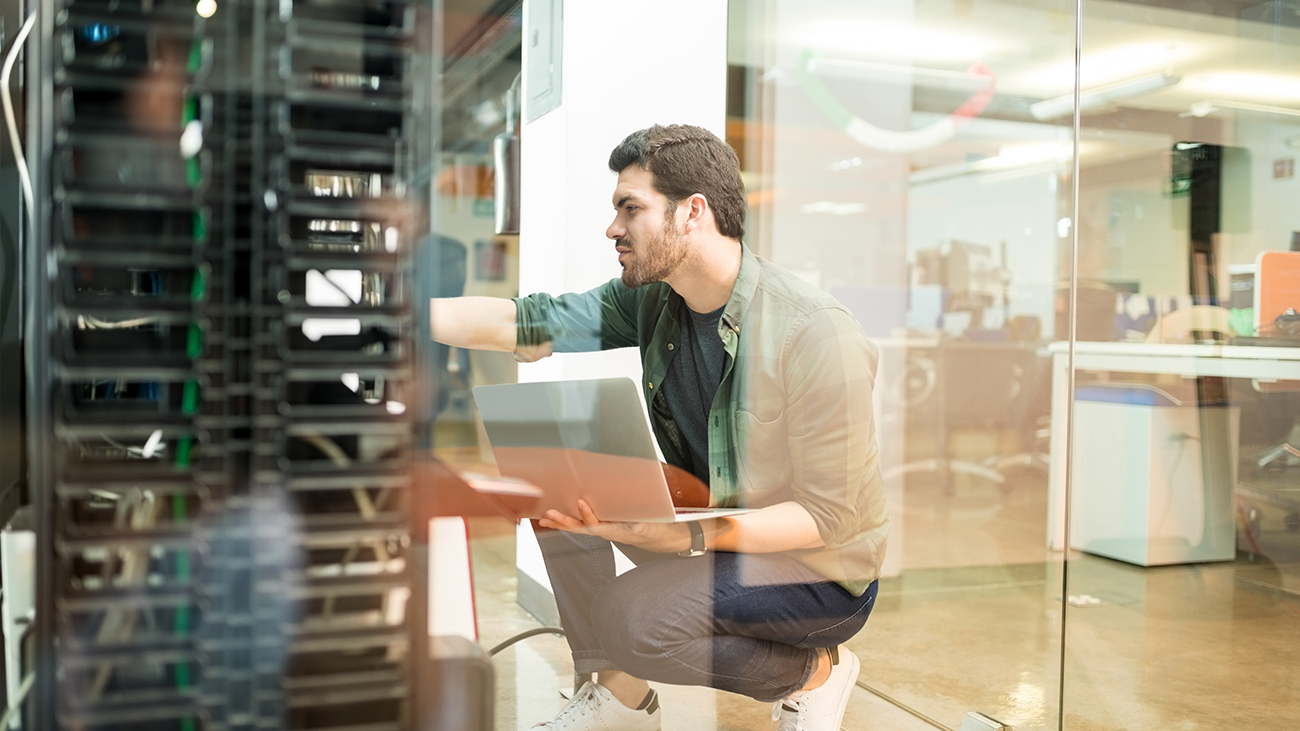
point(821, 96)
point(193, 172)
point(1242, 320)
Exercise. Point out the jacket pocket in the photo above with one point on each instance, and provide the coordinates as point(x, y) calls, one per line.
point(762, 450)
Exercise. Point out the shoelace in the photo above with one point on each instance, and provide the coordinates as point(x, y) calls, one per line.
point(585, 700)
point(794, 722)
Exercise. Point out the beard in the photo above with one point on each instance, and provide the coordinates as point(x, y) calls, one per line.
point(654, 259)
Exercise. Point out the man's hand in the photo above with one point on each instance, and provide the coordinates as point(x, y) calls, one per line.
point(532, 353)
point(659, 537)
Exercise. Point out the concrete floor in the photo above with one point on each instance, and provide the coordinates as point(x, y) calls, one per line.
point(974, 623)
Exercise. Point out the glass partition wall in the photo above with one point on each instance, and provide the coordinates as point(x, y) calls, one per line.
point(1184, 483)
point(1088, 395)
point(895, 159)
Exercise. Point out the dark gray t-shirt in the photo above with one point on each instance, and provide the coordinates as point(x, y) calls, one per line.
point(692, 381)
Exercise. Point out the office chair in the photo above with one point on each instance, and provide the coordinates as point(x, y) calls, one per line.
point(1183, 325)
point(961, 384)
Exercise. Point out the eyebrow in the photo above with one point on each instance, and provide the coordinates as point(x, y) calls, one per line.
point(625, 199)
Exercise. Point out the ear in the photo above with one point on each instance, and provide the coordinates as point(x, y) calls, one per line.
point(699, 214)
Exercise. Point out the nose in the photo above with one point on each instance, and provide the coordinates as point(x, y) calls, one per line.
point(616, 230)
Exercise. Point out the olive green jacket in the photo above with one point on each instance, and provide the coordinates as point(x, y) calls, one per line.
point(792, 418)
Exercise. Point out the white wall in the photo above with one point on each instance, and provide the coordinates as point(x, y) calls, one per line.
point(626, 65)
point(1275, 202)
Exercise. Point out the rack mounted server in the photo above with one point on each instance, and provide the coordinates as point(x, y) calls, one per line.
point(219, 363)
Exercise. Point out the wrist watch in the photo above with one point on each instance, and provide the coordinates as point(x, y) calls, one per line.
point(697, 540)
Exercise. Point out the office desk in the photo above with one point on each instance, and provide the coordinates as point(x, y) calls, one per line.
point(1229, 361)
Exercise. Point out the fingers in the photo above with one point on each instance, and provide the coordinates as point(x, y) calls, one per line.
point(560, 521)
point(532, 353)
point(588, 515)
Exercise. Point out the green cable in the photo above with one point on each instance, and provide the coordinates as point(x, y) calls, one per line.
point(183, 678)
point(195, 61)
point(194, 341)
point(198, 285)
point(190, 398)
point(184, 446)
point(200, 226)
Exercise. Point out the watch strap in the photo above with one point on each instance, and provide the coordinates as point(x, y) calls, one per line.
point(697, 540)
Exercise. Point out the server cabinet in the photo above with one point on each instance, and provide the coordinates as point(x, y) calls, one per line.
point(219, 362)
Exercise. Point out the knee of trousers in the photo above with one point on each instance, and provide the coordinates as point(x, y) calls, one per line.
point(636, 633)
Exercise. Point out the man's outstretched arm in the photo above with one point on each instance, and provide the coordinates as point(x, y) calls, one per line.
point(481, 323)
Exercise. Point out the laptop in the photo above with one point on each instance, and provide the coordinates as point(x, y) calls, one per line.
point(583, 439)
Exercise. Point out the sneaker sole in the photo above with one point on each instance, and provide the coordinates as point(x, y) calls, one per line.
point(848, 687)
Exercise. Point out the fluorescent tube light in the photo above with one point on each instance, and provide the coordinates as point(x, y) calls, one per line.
point(894, 73)
point(1210, 106)
point(1106, 66)
point(879, 40)
point(1264, 87)
point(1102, 96)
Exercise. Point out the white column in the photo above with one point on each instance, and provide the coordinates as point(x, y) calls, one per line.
point(626, 65)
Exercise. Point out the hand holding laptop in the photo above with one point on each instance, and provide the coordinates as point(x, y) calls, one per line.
point(661, 537)
point(589, 440)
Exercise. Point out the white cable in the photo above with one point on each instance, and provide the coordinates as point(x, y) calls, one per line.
point(86, 322)
point(17, 702)
point(19, 159)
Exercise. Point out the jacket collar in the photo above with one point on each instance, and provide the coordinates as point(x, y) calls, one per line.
point(742, 292)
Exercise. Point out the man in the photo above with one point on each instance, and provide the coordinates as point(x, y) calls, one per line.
point(760, 385)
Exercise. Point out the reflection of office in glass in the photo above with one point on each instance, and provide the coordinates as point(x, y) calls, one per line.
point(1088, 396)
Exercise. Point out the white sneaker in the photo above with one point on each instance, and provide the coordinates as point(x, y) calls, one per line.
point(593, 708)
point(822, 708)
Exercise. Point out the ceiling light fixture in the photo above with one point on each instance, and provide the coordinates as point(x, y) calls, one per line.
point(890, 73)
point(1103, 96)
point(1106, 66)
point(833, 208)
point(1210, 106)
point(1048, 155)
point(1265, 87)
point(897, 41)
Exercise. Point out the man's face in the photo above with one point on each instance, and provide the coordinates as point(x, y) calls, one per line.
point(645, 231)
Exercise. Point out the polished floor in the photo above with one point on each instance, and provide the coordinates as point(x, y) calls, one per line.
point(974, 623)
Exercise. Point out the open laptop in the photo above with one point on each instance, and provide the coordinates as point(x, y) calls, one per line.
point(583, 439)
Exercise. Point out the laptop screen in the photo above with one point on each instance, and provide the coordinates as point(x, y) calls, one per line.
point(604, 416)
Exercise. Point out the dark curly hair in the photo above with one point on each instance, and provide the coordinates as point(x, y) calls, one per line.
point(686, 160)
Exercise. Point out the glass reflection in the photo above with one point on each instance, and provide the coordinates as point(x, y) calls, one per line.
point(1182, 508)
point(894, 158)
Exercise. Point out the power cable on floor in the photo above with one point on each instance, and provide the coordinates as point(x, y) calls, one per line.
point(525, 635)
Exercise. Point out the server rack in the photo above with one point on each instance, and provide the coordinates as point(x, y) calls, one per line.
point(220, 353)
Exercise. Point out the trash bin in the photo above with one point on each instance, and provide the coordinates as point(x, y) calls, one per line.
point(1154, 473)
